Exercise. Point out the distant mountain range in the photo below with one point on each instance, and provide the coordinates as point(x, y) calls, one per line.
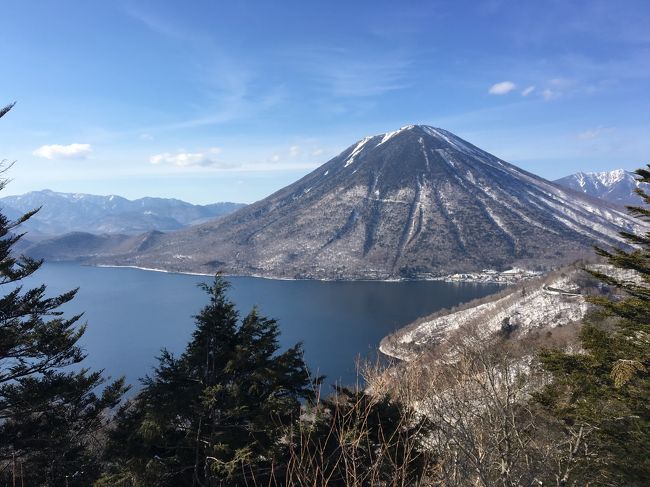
point(74, 212)
point(616, 186)
point(414, 203)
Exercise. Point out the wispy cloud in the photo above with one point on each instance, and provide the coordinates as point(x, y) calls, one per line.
point(502, 88)
point(307, 153)
point(527, 91)
point(595, 133)
point(58, 151)
point(231, 108)
point(560, 22)
point(229, 87)
point(159, 25)
point(350, 73)
point(368, 78)
point(549, 94)
point(559, 86)
point(273, 164)
point(188, 159)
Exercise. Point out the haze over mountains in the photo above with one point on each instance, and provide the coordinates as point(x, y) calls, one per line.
point(75, 212)
point(416, 202)
point(616, 186)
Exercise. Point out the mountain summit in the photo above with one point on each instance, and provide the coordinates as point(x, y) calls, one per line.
point(616, 186)
point(410, 203)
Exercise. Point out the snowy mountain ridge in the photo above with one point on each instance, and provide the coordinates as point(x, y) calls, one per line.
point(61, 213)
point(605, 179)
point(616, 186)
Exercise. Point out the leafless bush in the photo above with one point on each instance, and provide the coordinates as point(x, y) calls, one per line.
point(358, 439)
point(487, 430)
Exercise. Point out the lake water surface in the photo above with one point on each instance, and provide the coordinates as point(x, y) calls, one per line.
point(132, 314)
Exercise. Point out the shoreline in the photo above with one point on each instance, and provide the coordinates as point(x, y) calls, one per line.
point(467, 278)
point(393, 356)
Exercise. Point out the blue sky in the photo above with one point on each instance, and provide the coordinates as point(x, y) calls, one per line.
point(209, 101)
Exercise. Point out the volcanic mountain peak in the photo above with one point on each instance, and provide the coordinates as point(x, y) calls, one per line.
point(417, 201)
point(420, 147)
point(422, 131)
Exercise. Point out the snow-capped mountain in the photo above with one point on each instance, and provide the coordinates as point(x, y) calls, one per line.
point(74, 212)
point(409, 203)
point(616, 186)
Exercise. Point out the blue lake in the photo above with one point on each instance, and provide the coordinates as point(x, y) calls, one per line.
point(132, 314)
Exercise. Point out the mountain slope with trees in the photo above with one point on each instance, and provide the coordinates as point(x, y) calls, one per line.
point(416, 202)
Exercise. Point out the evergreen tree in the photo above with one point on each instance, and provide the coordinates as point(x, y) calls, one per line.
point(218, 413)
point(50, 415)
point(607, 389)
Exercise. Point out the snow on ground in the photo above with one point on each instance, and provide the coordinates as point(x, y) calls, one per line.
point(545, 303)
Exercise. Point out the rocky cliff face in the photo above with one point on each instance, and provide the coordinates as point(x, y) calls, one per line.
point(411, 203)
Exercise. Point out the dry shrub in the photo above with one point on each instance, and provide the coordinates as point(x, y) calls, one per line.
point(486, 428)
point(358, 439)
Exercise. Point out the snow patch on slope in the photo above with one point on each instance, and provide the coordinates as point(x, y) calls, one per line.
point(389, 135)
point(499, 223)
point(356, 151)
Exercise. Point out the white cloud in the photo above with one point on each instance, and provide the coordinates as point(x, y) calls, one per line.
point(549, 94)
point(146, 136)
point(560, 82)
point(502, 88)
point(558, 87)
point(294, 150)
point(528, 91)
point(186, 159)
point(57, 151)
point(594, 133)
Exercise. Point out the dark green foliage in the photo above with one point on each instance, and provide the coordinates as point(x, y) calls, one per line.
point(50, 415)
point(217, 414)
point(507, 327)
point(607, 389)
